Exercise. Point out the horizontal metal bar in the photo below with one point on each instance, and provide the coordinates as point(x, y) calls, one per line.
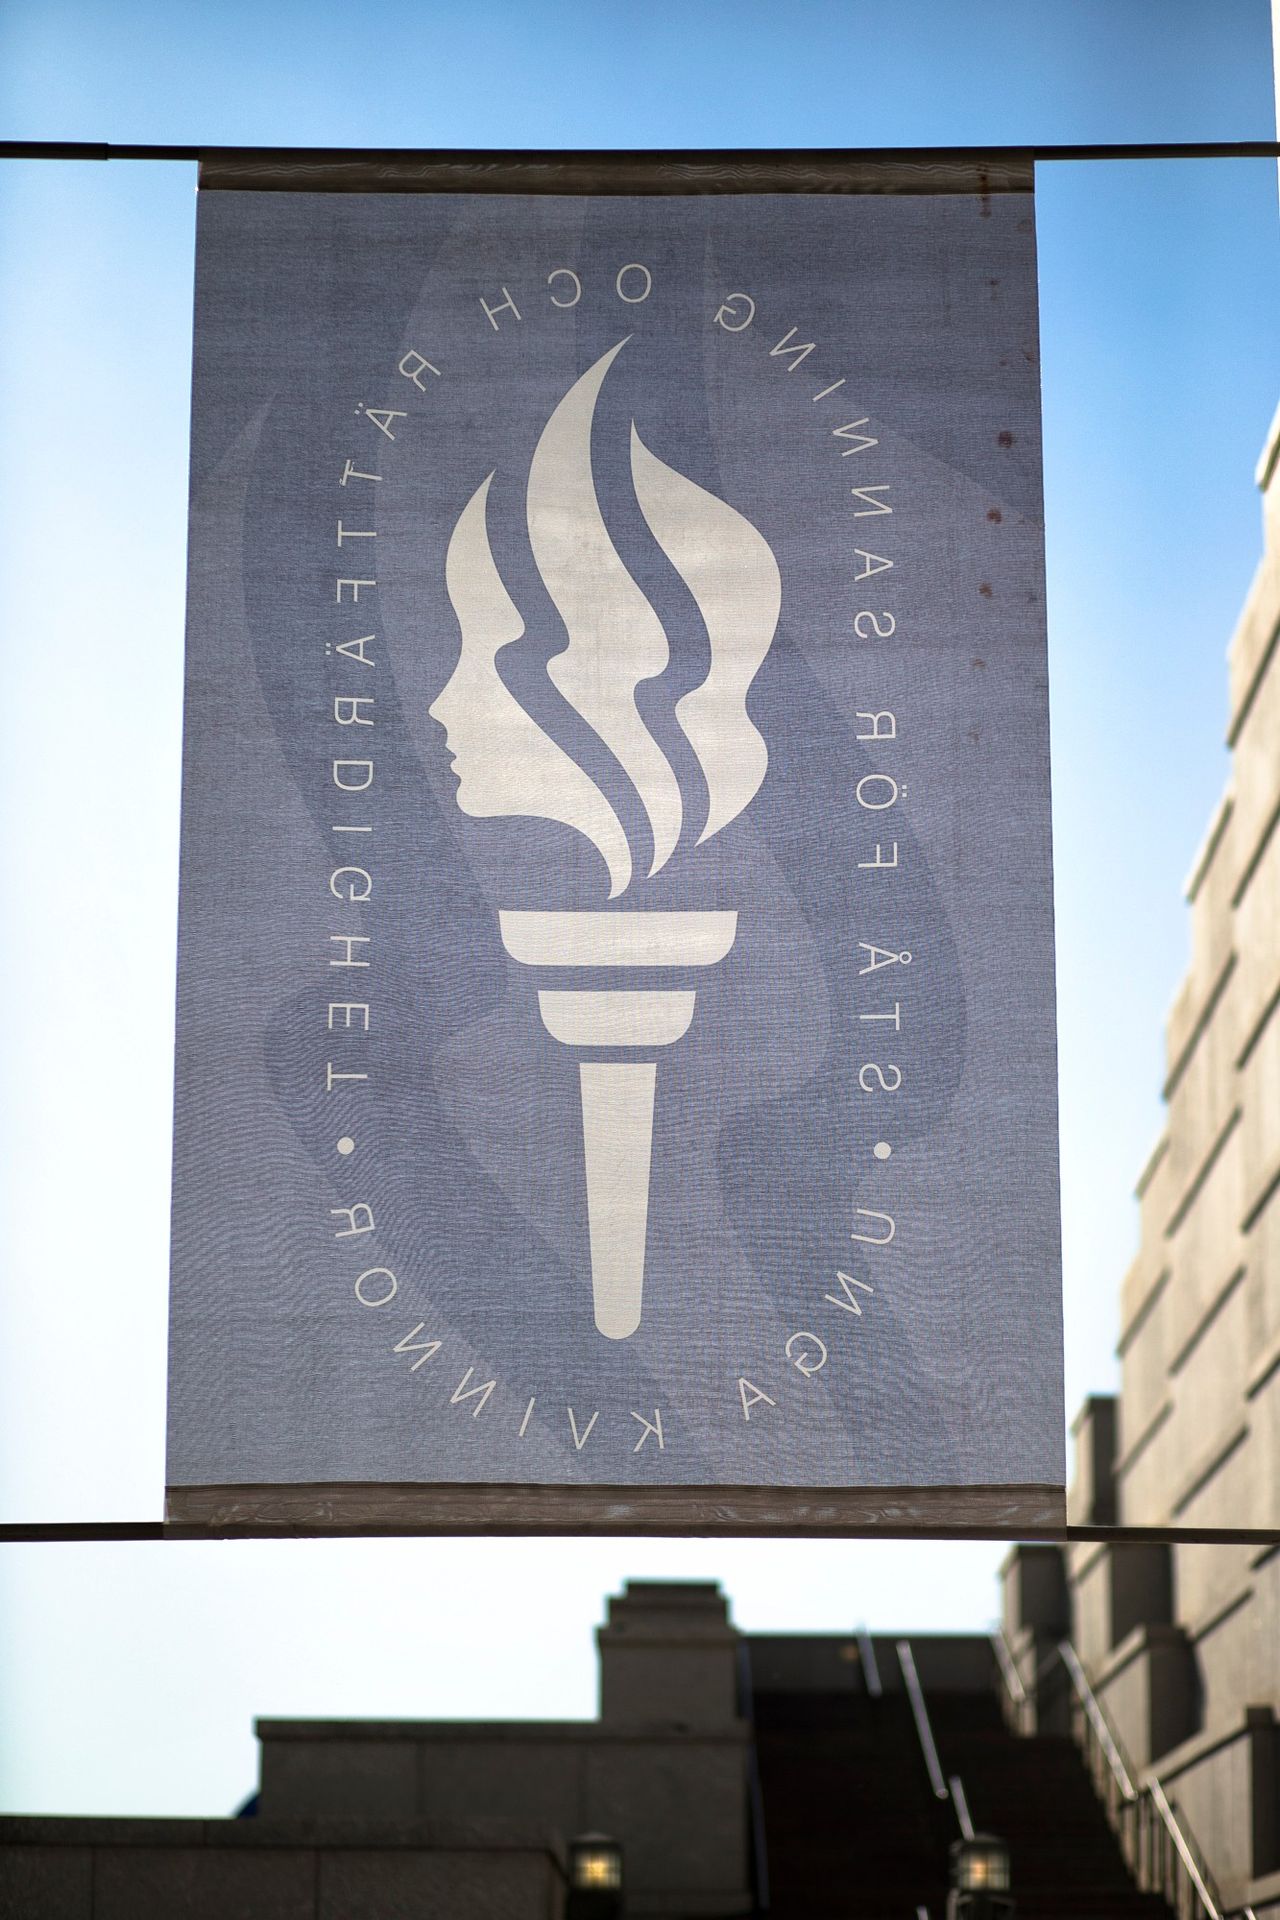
point(1157, 1536)
point(930, 156)
point(87, 1531)
point(80, 1532)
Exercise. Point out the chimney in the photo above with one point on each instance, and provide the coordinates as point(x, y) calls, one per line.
point(669, 1654)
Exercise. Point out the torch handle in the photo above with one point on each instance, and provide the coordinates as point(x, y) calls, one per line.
point(617, 1135)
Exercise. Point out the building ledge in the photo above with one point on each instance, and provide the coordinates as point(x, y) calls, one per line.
point(1206, 1320)
point(1217, 1614)
point(1193, 1752)
point(1194, 1028)
point(1263, 1195)
point(507, 1733)
point(1258, 851)
point(1203, 857)
point(1264, 1894)
point(1152, 1161)
point(1138, 1318)
point(1140, 1640)
point(1081, 1561)
point(1252, 647)
point(1134, 1452)
point(1263, 1368)
point(1269, 458)
point(1209, 1464)
point(435, 1836)
point(1199, 1179)
point(1259, 1026)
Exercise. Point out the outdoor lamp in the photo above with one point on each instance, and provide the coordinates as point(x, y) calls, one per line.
point(979, 1878)
point(595, 1877)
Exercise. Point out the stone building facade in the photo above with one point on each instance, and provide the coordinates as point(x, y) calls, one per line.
point(1182, 1645)
point(370, 1819)
point(728, 1774)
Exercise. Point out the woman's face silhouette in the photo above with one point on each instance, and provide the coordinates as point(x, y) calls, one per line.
point(505, 764)
point(480, 718)
point(482, 725)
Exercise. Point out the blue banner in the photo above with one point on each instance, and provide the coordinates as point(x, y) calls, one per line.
point(616, 1009)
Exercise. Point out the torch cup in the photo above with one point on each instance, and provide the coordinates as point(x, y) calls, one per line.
point(617, 1096)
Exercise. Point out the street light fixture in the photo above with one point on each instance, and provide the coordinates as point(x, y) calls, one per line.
point(980, 1879)
point(595, 1878)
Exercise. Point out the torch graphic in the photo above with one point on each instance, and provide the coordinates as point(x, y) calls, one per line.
point(507, 765)
point(617, 1097)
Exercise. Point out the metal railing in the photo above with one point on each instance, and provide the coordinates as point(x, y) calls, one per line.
point(1161, 1853)
point(961, 1805)
point(920, 1714)
point(870, 1665)
point(1008, 1668)
point(952, 1786)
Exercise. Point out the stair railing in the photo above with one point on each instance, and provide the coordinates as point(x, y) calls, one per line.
point(870, 1665)
point(1100, 1739)
point(960, 1802)
point(1160, 1851)
point(1191, 1859)
point(951, 1788)
point(1008, 1669)
point(920, 1714)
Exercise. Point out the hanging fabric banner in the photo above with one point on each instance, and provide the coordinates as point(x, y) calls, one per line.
point(616, 1076)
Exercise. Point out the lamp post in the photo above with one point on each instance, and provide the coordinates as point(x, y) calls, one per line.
point(979, 1879)
point(595, 1878)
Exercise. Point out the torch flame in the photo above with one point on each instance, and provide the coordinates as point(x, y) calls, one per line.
point(614, 641)
point(506, 764)
point(730, 570)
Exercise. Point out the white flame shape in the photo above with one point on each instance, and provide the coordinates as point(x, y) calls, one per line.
point(732, 574)
point(614, 641)
point(506, 763)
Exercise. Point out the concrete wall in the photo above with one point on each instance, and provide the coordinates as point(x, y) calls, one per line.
point(1225, 1785)
point(253, 1870)
point(374, 1820)
point(675, 1798)
point(664, 1771)
point(377, 1819)
point(1182, 1645)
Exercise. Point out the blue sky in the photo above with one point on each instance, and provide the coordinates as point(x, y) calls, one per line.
point(131, 1675)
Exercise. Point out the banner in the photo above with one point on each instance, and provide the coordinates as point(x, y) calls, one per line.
point(615, 1058)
